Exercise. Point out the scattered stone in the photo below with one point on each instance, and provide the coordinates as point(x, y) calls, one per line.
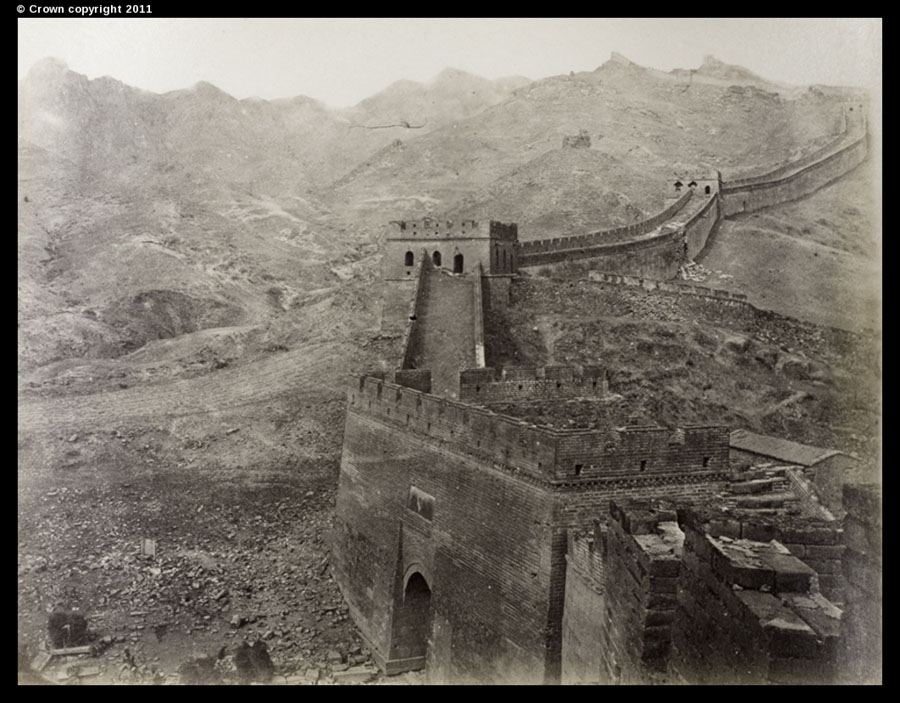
point(237, 621)
point(199, 672)
point(356, 674)
point(40, 661)
point(232, 430)
point(333, 656)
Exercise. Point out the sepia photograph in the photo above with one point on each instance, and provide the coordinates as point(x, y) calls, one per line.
point(448, 351)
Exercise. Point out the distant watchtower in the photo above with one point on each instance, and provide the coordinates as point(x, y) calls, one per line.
point(455, 246)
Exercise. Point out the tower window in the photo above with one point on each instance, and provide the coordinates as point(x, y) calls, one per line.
point(409, 259)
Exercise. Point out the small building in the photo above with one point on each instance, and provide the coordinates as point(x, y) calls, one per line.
point(829, 469)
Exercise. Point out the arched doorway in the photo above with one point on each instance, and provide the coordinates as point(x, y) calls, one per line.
point(458, 263)
point(412, 620)
point(436, 258)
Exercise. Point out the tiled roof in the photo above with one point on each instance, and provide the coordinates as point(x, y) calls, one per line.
point(779, 449)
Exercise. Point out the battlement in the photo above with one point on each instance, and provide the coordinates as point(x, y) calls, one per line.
point(429, 228)
point(550, 454)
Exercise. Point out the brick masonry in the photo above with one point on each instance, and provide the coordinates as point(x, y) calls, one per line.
point(505, 494)
point(747, 612)
point(643, 550)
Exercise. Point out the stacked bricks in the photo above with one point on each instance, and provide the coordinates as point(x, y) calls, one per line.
point(815, 542)
point(861, 629)
point(643, 559)
point(747, 610)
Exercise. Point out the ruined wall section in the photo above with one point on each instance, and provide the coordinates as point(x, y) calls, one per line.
point(649, 284)
point(747, 613)
point(861, 628)
point(644, 545)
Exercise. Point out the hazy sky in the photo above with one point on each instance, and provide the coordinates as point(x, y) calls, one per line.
point(342, 61)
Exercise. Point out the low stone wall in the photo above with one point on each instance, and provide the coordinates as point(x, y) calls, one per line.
point(650, 284)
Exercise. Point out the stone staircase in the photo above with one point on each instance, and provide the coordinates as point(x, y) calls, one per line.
point(762, 490)
point(446, 335)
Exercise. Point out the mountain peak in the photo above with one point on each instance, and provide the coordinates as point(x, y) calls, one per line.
point(47, 68)
point(452, 74)
point(207, 89)
point(616, 57)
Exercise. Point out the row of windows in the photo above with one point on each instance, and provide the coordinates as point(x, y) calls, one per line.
point(409, 260)
point(436, 258)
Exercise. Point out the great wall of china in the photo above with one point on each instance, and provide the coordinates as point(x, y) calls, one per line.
point(484, 548)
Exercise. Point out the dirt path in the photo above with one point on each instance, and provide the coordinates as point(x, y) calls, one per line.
point(291, 373)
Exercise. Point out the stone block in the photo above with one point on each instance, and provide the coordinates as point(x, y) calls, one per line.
point(824, 551)
point(355, 674)
point(727, 527)
point(810, 534)
point(758, 532)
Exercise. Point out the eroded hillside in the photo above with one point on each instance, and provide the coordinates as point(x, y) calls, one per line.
point(683, 359)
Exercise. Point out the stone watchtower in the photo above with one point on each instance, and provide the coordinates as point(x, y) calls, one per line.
point(455, 247)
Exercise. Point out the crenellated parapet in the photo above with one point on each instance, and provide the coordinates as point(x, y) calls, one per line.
point(548, 454)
